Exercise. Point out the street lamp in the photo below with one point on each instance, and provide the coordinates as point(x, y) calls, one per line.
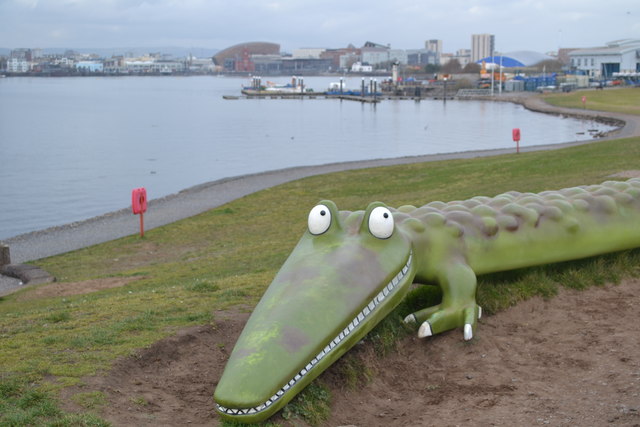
point(493, 70)
point(444, 98)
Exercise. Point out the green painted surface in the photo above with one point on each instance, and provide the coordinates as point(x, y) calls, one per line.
point(350, 269)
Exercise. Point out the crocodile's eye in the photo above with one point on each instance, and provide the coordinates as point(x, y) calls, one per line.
point(381, 222)
point(319, 219)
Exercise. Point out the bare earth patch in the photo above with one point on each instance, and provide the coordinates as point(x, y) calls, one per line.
point(59, 289)
point(572, 360)
point(627, 174)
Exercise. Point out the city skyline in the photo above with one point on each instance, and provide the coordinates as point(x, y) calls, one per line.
point(541, 25)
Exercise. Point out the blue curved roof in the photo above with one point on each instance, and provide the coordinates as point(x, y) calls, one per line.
point(522, 58)
point(506, 61)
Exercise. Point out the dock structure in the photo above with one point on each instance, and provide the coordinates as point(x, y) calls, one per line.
point(368, 98)
point(363, 99)
point(320, 95)
point(265, 94)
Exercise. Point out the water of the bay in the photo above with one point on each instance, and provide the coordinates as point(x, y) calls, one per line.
point(74, 148)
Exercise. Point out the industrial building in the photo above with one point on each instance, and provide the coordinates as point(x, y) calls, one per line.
point(617, 57)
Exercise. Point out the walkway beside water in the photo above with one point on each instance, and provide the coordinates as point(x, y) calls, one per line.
point(195, 200)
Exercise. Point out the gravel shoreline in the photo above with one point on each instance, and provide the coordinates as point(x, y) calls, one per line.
point(197, 199)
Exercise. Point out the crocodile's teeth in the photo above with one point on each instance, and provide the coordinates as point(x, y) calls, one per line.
point(366, 311)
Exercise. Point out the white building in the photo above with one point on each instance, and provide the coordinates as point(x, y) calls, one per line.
point(619, 56)
point(359, 68)
point(482, 45)
point(149, 65)
point(374, 53)
point(17, 65)
point(463, 56)
point(308, 53)
point(375, 56)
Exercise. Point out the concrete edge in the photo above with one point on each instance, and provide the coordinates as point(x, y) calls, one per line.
point(27, 273)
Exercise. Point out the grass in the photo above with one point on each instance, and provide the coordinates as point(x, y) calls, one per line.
point(312, 405)
point(22, 404)
point(618, 100)
point(226, 257)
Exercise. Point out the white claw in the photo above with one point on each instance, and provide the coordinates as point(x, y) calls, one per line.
point(425, 330)
point(479, 312)
point(410, 319)
point(468, 332)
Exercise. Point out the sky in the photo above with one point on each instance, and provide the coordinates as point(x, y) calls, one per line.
point(538, 25)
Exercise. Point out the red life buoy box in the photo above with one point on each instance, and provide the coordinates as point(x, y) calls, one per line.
point(139, 200)
point(516, 134)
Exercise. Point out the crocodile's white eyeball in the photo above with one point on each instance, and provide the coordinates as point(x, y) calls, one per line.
point(319, 219)
point(381, 222)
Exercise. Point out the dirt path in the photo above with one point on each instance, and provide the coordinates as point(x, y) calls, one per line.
point(572, 360)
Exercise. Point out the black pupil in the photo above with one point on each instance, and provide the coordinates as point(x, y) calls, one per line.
point(386, 215)
point(323, 213)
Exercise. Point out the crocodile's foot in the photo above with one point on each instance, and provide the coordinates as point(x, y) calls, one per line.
point(437, 319)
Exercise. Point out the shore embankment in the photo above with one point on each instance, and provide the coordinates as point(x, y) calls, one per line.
point(192, 201)
point(626, 124)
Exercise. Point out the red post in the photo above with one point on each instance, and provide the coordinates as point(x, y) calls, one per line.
point(139, 205)
point(584, 101)
point(516, 137)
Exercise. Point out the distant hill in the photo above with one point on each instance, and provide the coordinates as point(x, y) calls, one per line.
point(177, 52)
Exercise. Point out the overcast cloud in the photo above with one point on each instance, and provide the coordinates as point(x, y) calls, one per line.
point(539, 25)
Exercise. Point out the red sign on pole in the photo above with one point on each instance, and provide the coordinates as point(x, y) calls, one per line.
point(139, 200)
point(516, 137)
point(139, 205)
point(516, 134)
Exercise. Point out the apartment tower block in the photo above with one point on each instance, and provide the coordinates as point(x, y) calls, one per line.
point(482, 45)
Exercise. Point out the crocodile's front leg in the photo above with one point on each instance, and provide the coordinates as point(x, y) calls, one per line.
point(458, 307)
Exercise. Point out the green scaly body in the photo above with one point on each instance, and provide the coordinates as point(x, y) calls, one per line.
point(350, 269)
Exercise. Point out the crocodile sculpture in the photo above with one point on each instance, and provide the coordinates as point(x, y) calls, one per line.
point(350, 269)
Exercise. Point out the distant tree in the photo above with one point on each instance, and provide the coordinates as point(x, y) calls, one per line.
point(550, 66)
point(451, 67)
point(471, 68)
point(432, 68)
